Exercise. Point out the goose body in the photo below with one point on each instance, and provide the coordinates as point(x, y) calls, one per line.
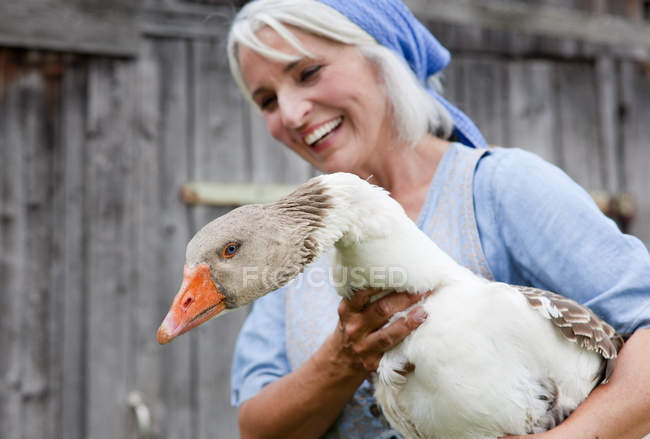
point(490, 360)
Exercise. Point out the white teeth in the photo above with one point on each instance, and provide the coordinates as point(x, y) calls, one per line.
point(322, 131)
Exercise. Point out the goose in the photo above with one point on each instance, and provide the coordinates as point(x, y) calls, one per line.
point(490, 360)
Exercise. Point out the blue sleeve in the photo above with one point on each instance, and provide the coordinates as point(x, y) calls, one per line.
point(539, 228)
point(260, 355)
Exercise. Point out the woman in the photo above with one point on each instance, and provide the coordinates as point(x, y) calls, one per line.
point(347, 86)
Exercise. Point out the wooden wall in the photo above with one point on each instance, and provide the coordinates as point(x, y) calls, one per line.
point(93, 153)
point(94, 150)
point(577, 105)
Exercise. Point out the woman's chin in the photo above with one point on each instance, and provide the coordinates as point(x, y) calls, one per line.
point(336, 159)
point(332, 166)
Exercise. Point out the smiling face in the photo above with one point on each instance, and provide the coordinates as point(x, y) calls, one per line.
point(331, 109)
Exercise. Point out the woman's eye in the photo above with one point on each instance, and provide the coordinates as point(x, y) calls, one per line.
point(309, 72)
point(229, 250)
point(267, 102)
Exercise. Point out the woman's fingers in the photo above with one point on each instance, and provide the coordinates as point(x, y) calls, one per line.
point(365, 317)
point(359, 300)
point(372, 347)
point(361, 324)
point(378, 313)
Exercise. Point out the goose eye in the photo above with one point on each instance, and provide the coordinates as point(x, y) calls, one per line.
point(229, 250)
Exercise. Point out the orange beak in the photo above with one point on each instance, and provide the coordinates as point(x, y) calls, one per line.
point(197, 301)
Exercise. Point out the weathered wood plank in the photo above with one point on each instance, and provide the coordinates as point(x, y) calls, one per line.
point(185, 20)
point(36, 315)
point(630, 9)
point(151, 295)
point(71, 26)
point(233, 194)
point(14, 235)
point(179, 358)
point(577, 121)
point(108, 171)
point(481, 83)
point(4, 218)
point(219, 142)
point(581, 5)
point(26, 225)
point(531, 105)
point(216, 346)
point(635, 90)
point(26, 219)
point(537, 19)
point(609, 122)
point(471, 39)
point(219, 155)
point(69, 241)
point(52, 136)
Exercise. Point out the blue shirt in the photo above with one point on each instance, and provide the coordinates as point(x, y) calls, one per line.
point(537, 227)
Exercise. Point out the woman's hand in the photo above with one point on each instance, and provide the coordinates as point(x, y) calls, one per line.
point(304, 403)
point(360, 332)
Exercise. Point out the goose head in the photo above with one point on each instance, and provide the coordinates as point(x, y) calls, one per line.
point(256, 249)
point(247, 253)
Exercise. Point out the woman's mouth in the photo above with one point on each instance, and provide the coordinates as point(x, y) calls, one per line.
point(321, 133)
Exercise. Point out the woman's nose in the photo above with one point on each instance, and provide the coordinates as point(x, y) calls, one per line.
point(294, 109)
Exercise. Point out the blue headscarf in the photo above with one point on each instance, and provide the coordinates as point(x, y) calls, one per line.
point(393, 25)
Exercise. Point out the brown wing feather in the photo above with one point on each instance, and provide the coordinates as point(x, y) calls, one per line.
point(578, 324)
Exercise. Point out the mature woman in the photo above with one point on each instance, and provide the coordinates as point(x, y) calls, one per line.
point(350, 86)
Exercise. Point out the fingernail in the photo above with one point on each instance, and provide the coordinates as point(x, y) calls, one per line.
point(419, 315)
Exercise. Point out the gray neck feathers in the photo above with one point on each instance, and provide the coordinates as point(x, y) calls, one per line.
point(303, 214)
point(332, 208)
point(367, 226)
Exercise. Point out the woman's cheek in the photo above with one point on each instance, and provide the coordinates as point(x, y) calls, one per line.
point(275, 127)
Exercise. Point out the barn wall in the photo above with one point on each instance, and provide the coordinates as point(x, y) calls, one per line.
point(94, 150)
point(93, 154)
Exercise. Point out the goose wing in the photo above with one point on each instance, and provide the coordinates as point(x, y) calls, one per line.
point(578, 324)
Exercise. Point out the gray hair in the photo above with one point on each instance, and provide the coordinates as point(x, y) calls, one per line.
point(415, 111)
